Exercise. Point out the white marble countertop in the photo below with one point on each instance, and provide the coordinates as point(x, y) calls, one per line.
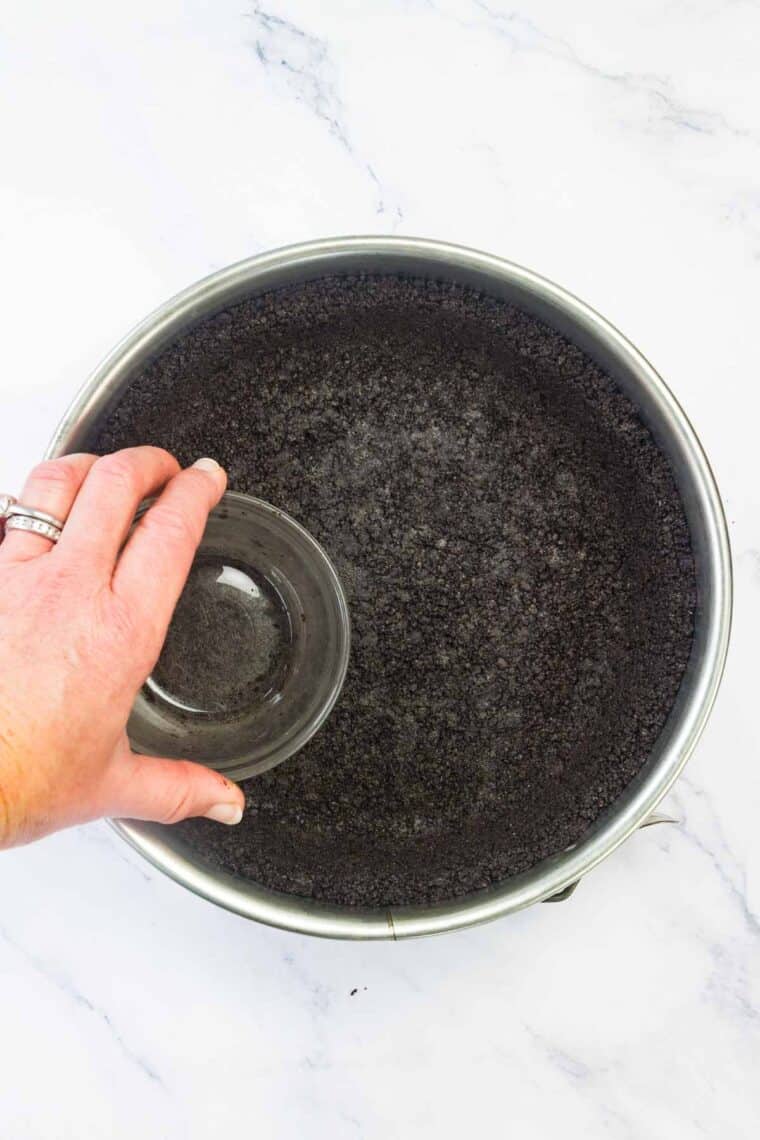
point(614, 148)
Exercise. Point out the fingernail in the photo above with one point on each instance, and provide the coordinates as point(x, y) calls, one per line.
point(207, 464)
point(225, 813)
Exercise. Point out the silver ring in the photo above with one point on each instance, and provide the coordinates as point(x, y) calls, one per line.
point(34, 526)
point(18, 510)
point(18, 517)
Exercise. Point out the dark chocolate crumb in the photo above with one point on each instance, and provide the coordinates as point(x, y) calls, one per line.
point(516, 559)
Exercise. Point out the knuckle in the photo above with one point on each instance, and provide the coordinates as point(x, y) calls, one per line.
point(182, 803)
point(55, 476)
point(172, 525)
point(120, 471)
point(161, 454)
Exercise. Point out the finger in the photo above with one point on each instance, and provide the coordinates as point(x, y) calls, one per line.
point(108, 500)
point(156, 561)
point(52, 487)
point(166, 791)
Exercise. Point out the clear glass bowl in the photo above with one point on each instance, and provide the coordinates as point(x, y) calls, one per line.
point(258, 647)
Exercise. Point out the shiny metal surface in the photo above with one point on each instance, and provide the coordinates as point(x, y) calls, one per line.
point(702, 504)
point(18, 516)
point(21, 510)
point(33, 526)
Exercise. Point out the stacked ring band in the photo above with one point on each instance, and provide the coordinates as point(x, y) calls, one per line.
point(34, 526)
point(19, 517)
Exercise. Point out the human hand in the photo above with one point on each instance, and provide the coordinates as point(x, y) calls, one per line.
point(82, 624)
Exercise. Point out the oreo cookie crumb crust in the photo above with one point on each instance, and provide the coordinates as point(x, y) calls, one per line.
point(515, 555)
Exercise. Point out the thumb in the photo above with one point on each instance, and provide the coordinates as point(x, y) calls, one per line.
point(167, 791)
